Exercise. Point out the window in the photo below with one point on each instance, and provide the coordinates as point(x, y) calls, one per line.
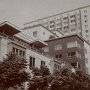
point(43, 33)
point(55, 66)
point(85, 11)
point(72, 44)
point(65, 18)
point(87, 36)
point(42, 63)
point(71, 54)
point(32, 62)
point(59, 56)
point(20, 53)
point(66, 27)
point(87, 40)
point(65, 31)
point(56, 56)
point(78, 55)
point(74, 65)
point(86, 60)
point(17, 51)
point(86, 26)
point(86, 31)
point(58, 24)
point(58, 47)
point(72, 16)
point(23, 53)
point(73, 21)
point(79, 45)
point(66, 22)
point(79, 27)
point(51, 26)
point(35, 33)
point(52, 21)
point(13, 50)
point(85, 50)
point(87, 70)
point(59, 28)
point(73, 29)
point(85, 16)
point(86, 21)
point(46, 49)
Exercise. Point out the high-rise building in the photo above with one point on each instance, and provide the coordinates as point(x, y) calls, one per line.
point(69, 22)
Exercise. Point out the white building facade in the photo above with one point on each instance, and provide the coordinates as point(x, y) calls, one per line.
point(75, 21)
point(11, 41)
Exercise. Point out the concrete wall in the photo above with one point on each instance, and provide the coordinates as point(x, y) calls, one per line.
point(64, 51)
point(85, 21)
point(3, 48)
point(87, 56)
point(42, 33)
point(38, 58)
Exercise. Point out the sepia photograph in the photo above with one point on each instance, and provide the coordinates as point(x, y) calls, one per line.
point(44, 44)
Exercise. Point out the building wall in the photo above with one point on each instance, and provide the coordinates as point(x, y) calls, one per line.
point(78, 48)
point(38, 58)
point(85, 21)
point(38, 32)
point(7, 45)
point(87, 57)
point(69, 22)
point(3, 48)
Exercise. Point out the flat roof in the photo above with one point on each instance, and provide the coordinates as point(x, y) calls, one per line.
point(40, 25)
point(38, 43)
point(67, 37)
point(8, 28)
point(57, 14)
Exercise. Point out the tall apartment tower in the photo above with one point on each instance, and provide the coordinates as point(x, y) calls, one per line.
point(70, 22)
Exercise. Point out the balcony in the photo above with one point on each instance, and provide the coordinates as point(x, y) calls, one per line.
point(6, 36)
point(9, 29)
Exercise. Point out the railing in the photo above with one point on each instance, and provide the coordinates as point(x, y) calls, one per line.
point(9, 37)
point(42, 53)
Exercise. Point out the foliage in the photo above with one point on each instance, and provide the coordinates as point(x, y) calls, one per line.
point(59, 80)
point(12, 71)
point(43, 71)
point(69, 81)
point(40, 79)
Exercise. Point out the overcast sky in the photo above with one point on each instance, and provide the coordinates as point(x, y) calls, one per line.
point(19, 12)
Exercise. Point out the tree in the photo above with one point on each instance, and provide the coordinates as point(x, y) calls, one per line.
point(59, 80)
point(45, 71)
point(12, 71)
point(40, 79)
point(65, 80)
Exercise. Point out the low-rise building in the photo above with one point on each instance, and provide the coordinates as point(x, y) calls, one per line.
point(72, 49)
point(12, 39)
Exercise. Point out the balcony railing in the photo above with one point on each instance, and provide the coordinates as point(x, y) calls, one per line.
point(41, 52)
point(4, 35)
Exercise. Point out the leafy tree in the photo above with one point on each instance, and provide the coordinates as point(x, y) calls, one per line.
point(59, 80)
point(36, 71)
point(45, 71)
point(12, 71)
point(40, 79)
point(69, 81)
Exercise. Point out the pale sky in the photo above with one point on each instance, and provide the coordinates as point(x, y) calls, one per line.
point(19, 12)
